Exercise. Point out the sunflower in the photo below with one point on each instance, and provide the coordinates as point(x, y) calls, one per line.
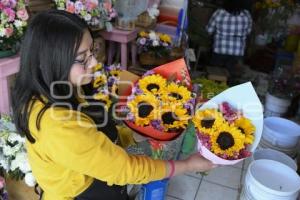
point(165, 38)
point(176, 93)
point(154, 84)
point(227, 140)
point(97, 67)
point(143, 108)
point(247, 128)
point(143, 34)
point(174, 117)
point(115, 73)
point(103, 98)
point(208, 119)
point(99, 80)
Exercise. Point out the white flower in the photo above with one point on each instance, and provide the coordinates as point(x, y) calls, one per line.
point(21, 161)
point(87, 17)
point(2, 32)
point(153, 36)
point(155, 43)
point(13, 137)
point(10, 151)
point(18, 23)
point(30, 180)
point(4, 163)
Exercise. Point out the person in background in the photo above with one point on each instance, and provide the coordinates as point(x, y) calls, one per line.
point(70, 157)
point(229, 26)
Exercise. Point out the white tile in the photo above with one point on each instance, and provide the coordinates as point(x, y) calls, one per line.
point(239, 165)
point(225, 175)
point(171, 198)
point(210, 191)
point(183, 187)
point(247, 162)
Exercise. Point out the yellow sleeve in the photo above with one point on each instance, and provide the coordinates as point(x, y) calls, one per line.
point(77, 145)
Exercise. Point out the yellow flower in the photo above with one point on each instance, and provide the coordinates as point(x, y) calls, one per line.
point(97, 67)
point(104, 99)
point(154, 84)
point(165, 38)
point(176, 93)
point(115, 73)
point(144, 108)
point(99, 80)
point(143, 34)
point(207, 120)
point(227, 140)
point(174, 117)
point(246, 128)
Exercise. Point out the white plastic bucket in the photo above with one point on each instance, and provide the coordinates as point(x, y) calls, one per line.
point(291, 152)
point(268, 180)
point(275, 106)
point(281, 132)
point(271, 154)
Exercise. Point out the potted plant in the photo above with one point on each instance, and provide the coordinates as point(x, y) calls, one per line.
point(13, 21)
point(154, 48)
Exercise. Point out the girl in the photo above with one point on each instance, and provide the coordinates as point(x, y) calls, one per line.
point(69, 156)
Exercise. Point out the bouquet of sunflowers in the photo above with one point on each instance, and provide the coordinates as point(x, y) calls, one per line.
point(229, 126)
point(159, 105)
point(157, 43)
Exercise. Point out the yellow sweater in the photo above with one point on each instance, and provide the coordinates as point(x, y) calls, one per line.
point(70, 152)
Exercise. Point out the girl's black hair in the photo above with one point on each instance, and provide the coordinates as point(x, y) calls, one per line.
point(47, 54)
point(234, 7)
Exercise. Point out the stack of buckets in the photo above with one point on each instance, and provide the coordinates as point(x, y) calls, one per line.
point(272, 173)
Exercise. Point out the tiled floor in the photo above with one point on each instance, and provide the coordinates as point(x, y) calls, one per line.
point(223, 183)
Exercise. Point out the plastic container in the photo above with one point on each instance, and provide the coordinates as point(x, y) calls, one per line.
point(271, 154)
point(268, 179)
point(275, 106)
point(291, 152)
point(154, 190)
point(281, 132)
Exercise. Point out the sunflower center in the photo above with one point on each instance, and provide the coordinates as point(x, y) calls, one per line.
point(144, 109)
point(225, 140)
point(242, 130)
point(175, 95)
point(168, 118)
point(207, 123)
point(152, 86)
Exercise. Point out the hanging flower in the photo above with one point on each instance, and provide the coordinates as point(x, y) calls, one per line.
point(144, 108)
point(154, 84)
point(227, 141)
point(246, 128)
point(176, 93)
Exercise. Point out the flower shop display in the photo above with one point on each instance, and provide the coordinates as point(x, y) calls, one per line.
point(13, 157)
point(96, 14)
point(13, 21)
point(154, 48)
point(229, 126)
point(272, 16)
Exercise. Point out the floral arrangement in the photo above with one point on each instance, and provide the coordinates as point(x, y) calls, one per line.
point(225, 132)
point(273, 14)
point(158, 43)
point(164, 105)
point(13, 21)
point(105, 83)
point(13, 157)
point(94, 13)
